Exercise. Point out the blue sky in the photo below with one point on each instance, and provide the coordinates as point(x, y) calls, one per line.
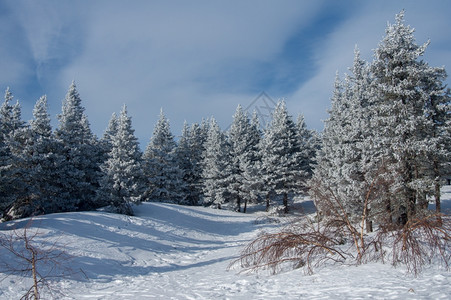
point(197, 59)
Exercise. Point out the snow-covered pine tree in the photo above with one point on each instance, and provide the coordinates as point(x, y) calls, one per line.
point(252, 183)
point(91, 166)
point(327, 178)
point(11, 122)
point(438, 113)
point(399, 100)
point(359, 165)
point(106, 140)
point(216, 167)
point(197, 140)
point(109, 133)
point(161, 167)
point(123, 180)
point(40, 165)
point(45, 162)
point(81, 149)
point(347, 150)
point(8, 180)
point(189, 152)
point(308, 145)
point(243, 140)
point(353, 134)
point(183, 157)
point(237, 138)
point(16, 138)
point(280, 156)
point(6, 114)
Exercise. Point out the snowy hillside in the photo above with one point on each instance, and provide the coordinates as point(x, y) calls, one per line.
point(178, 252)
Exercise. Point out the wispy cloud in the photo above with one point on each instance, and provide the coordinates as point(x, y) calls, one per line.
point(193, 60)
point(196, 59)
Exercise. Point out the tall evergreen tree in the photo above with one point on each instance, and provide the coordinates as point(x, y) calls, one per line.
point(6, 114)
point(280, 156)
point(243, 139)
point(251, 165)
point(185, 163)
point(237, 138)
point(39, 164)
point(123, 182)
point(217, 169)
point(308, 146)
point(438, 112)
point(197, 139)
point(81, 149)
point(45, 162)
point(8, 180)
point(327, 177)
point(400, 95)
point(386, 137)
point(109, 133)
point(162, 169)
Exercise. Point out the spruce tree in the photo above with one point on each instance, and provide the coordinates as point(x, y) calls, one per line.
point(161, 167)
point(326, 178)
point(6, 114)
point(197, 139)
point(280, 157)
point(109, 133)
point(8, 180)
point(183, 155)
point(386, 142)
point(346, 149)
point(82, 151)
point(251, 165)
point(123, 181)
point(243, 139)
point(438, 111)
point(400, 95)
point(41, 163)
point(237, 138)
point(217, 169)
point(308, 145)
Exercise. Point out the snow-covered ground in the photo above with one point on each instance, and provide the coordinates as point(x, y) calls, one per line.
point(177, 252)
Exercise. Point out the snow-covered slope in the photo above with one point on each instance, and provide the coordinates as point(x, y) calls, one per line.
point(176, 252)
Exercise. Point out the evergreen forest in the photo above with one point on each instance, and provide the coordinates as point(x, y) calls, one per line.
point(383, 154)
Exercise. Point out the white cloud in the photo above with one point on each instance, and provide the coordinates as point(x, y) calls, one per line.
point(195, 59)
point(171, 56)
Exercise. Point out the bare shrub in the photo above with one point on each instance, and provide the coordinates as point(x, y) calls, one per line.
point(300, 245)
point(418, 242)
point(336, 237)
point(41, 260)
point(334, 215)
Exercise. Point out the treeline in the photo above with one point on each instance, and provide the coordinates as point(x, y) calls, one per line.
point(70, 169)
point(387, 143)
point(382, 154)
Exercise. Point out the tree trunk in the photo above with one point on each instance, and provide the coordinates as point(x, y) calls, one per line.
point(238, 203)
point(388, 211)
point(285, 203)
point(411, 209)
point(245, 206)
point(267, 202)
point(369, 226)
point(368, 222)
point(438, 208)
point(410, 195)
